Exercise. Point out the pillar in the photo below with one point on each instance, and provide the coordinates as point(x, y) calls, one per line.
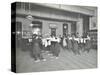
point(69, 28)
point(79, 25)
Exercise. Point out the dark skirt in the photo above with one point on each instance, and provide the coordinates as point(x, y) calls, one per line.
point(87, 45)
point(69, 44)
point(61, 42)
point(75, 47)
point(56, 50)
point(36, 51)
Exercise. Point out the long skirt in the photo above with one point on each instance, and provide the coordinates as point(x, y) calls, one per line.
point(61, 42)
point(87, 46)
point(69, 44)
point(56, 50)
point(36, 51)
point(52, 47)
point(75, 47)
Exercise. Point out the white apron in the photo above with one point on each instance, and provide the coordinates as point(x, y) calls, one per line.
point(64, 42)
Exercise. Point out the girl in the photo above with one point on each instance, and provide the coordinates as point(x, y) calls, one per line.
point(57, 47)
point(36, 50)
point(69, 46)
point(75, 45)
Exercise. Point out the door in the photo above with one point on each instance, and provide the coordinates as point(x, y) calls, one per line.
point(73, 28)
point(53, 31)
point(65, 29)
point(37, 27)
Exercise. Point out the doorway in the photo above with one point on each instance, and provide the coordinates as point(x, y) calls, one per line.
point(53, 31)
point(65, 29)
point(73, 28)
point(37, 27)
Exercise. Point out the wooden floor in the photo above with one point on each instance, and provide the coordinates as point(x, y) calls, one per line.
point(66, 61)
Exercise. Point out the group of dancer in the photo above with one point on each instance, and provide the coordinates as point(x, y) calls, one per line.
point(76, 43)
point(53, 45)
point(40, 45)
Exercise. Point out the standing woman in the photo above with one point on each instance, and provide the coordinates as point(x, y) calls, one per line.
point(52, 48)
point(88, 44)
point(64, 42)
point(57, 48)
point(61, 42)
point(84, 44)
point(75, 45)
point(69, 43)
point(36, 50)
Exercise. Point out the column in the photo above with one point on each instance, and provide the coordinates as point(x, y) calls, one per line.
point(79, 27)
point(69, 28)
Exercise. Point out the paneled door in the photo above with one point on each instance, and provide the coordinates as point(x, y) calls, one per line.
point(65, 29)
point(53, 31)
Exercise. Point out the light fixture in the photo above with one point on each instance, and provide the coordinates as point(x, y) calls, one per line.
point(31, 24)
point(65, 27)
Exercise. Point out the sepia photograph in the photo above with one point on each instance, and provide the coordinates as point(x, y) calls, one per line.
point(53, 37)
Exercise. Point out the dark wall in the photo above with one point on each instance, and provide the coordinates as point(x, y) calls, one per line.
point(85, 23)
